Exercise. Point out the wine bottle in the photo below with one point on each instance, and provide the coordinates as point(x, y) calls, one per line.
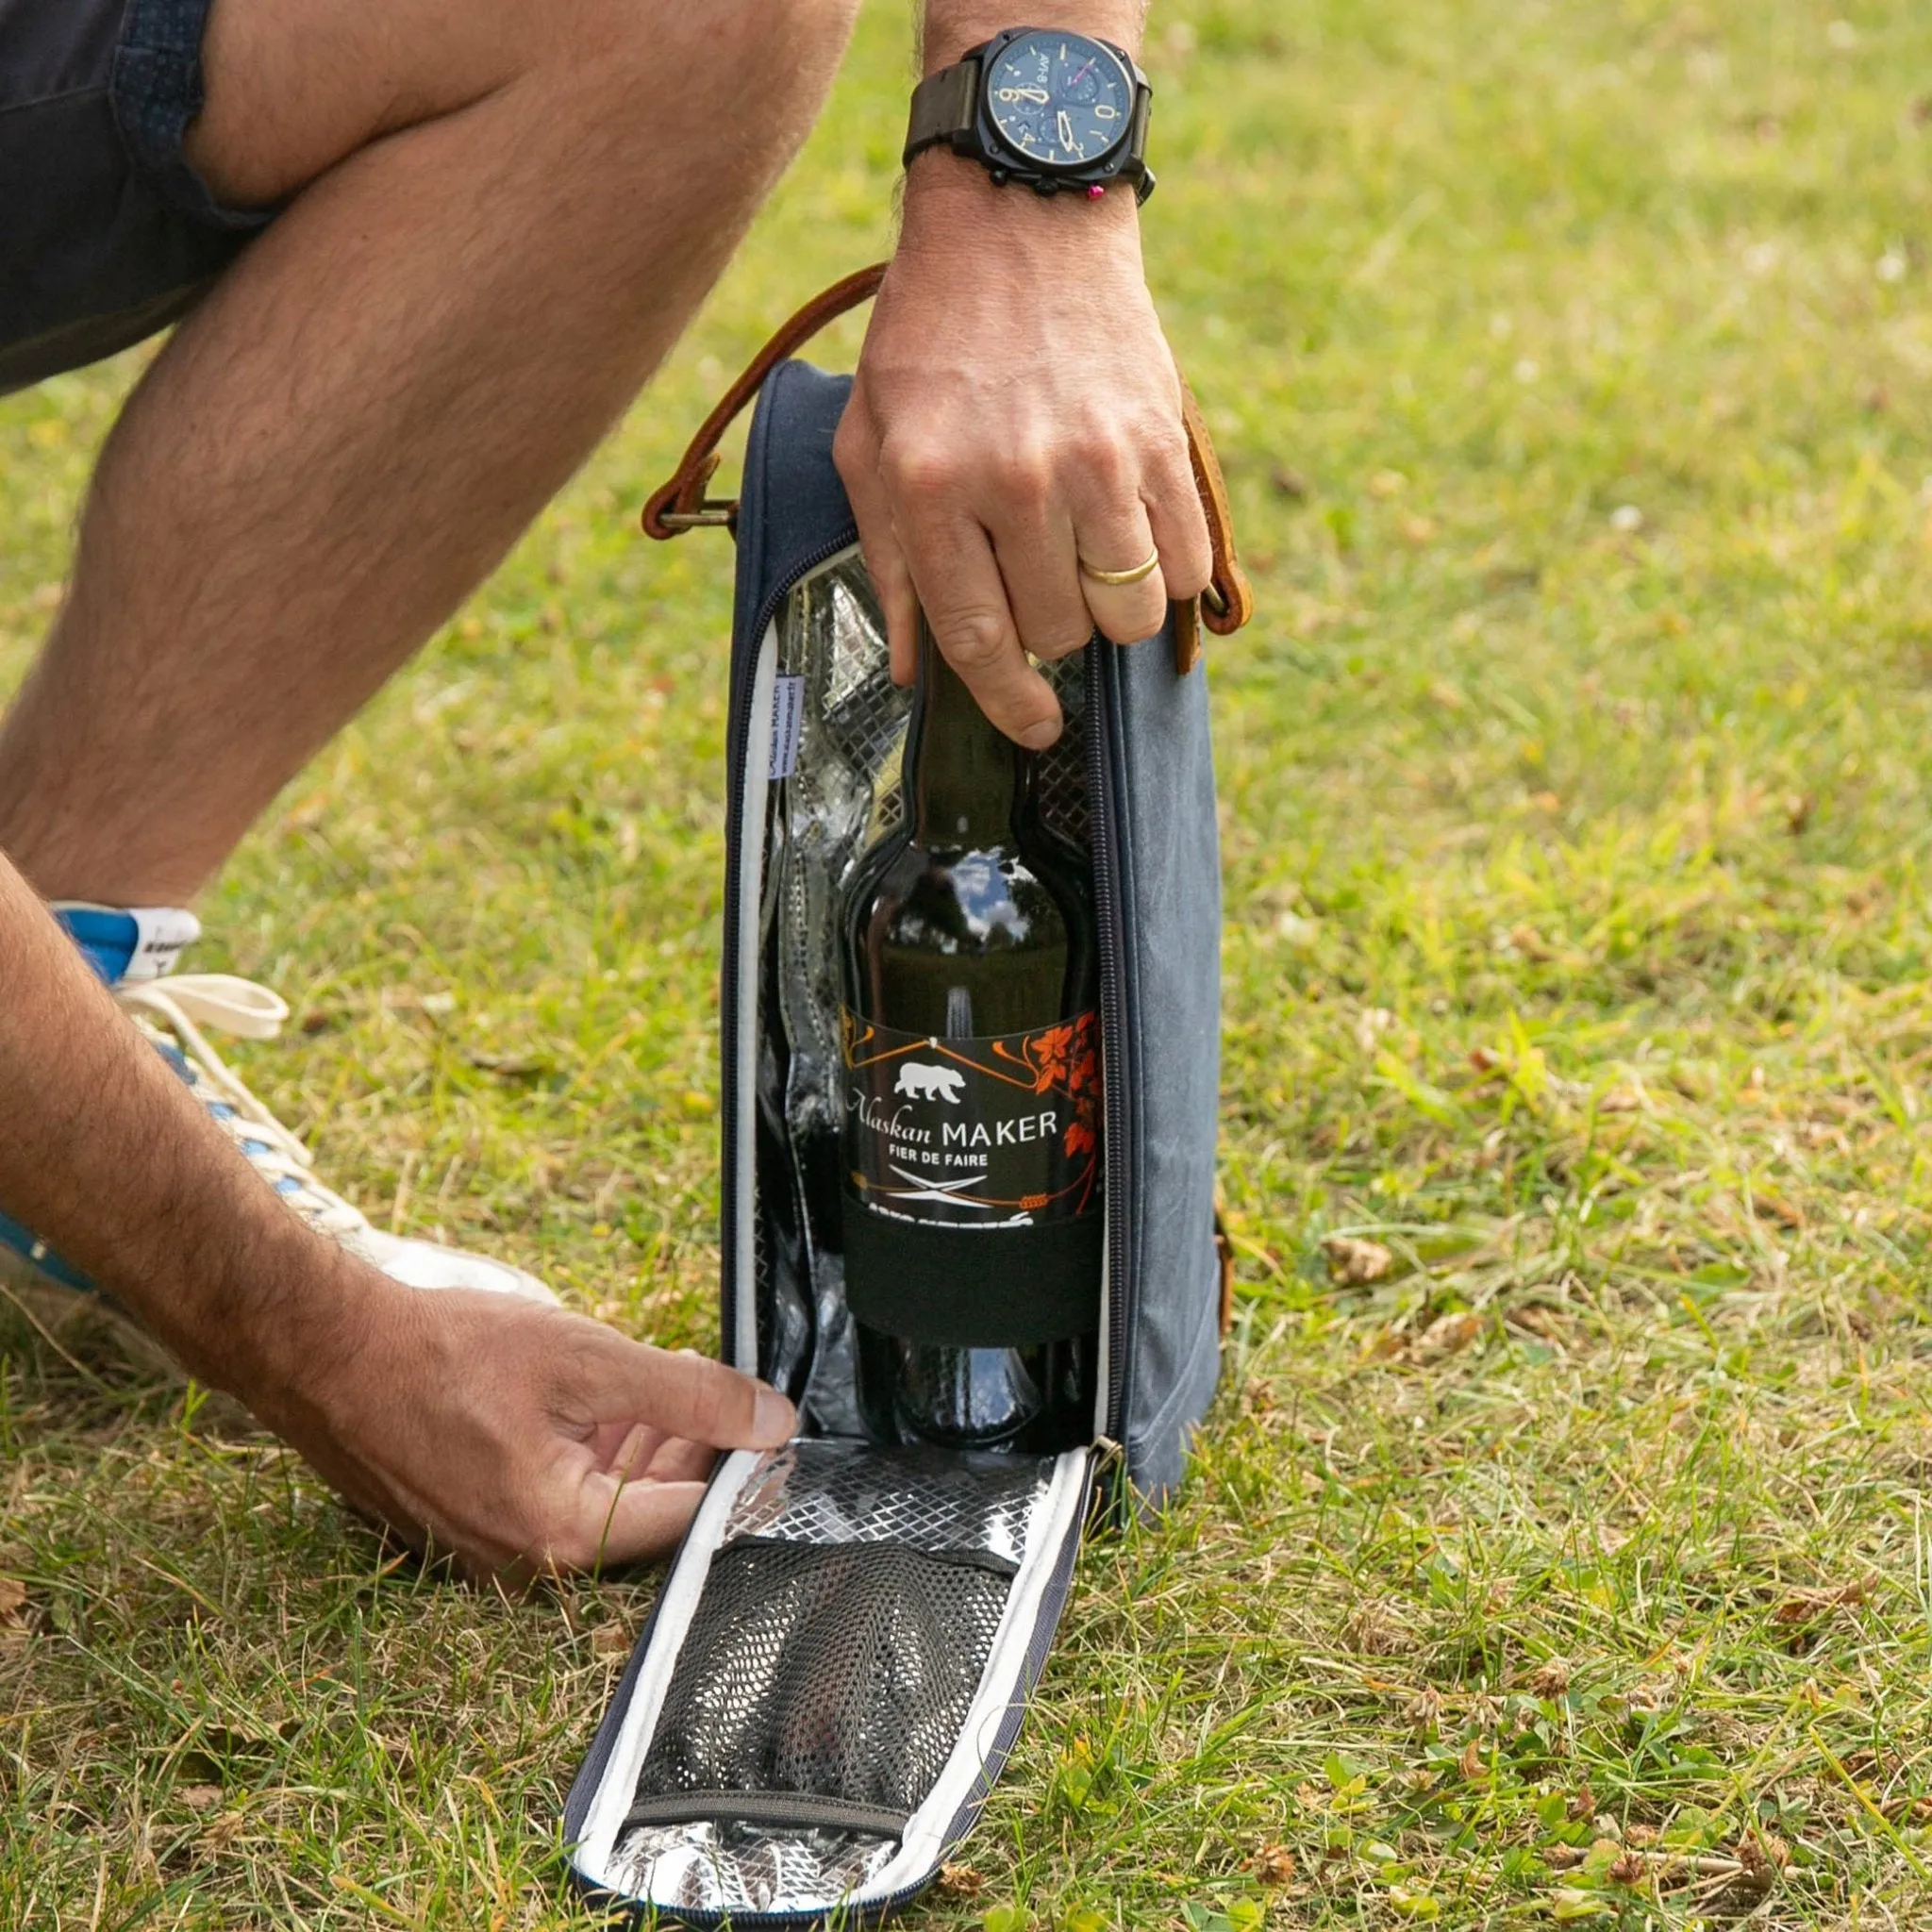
point(972, 1134)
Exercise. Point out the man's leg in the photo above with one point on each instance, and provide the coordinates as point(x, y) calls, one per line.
point(504, 214)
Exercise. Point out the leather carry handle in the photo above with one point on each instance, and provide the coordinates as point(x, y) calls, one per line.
point(681, 503)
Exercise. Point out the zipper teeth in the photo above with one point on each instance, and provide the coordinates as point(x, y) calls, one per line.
point(1112, 1033)
point(591, 1773)
point(736, 753)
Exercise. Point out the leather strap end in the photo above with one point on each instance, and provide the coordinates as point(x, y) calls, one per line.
point(1229, 600)
point(1184, 615)
point(683, 498)
point(681, 503)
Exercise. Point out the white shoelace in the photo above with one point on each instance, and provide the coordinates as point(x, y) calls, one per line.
point(187, 1002)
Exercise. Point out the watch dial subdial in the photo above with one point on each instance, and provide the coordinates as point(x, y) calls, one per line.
point(1059, 100)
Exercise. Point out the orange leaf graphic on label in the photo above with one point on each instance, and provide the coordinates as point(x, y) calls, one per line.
point(1049, 1052)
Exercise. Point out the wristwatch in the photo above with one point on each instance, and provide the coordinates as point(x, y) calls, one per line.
point(1043, 106)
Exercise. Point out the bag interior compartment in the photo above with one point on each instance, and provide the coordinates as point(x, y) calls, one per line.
point(828, 792)
point(840, 1656)
point(834, 1671)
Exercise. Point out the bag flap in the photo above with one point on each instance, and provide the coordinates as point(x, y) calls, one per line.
point(835, 1671)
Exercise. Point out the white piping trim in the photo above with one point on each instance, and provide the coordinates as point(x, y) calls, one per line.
point(1103, 1342)
point(751, 892)
point(682, 1590)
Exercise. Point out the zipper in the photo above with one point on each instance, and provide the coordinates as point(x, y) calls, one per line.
point(583, 1789)
point(1113, 1025)
point(736, 751)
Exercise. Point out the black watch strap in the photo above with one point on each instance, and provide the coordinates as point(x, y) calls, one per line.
point(945, 107)
point(946, 112)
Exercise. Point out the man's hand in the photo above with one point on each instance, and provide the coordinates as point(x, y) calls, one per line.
point(1016, 409)
point(519, 1439)
point(514, 1437)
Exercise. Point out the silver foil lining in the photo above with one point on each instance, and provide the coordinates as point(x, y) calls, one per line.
point(831, 1493)
point(847, 1492)
point(840, 795)
point(747, 1868)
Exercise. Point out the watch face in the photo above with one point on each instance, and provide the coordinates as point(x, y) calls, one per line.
point(1059, 99)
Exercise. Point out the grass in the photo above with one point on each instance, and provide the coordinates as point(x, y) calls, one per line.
point(1567, 1563)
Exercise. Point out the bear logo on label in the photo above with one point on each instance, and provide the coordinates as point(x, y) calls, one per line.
point(919, 1082)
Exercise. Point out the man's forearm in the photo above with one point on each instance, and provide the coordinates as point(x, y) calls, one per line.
point(494, 1427)
point(110, 1160)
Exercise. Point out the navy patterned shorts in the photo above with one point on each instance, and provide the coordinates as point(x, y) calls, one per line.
point(106, 233)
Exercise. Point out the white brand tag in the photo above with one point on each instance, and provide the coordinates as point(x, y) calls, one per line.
point(788, 721)
point(163, 932)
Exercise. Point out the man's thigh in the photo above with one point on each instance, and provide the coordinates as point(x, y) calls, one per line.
point(297, 86)
point(107, 233)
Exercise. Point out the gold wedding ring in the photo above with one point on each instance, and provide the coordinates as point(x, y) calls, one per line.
point(1140, 573)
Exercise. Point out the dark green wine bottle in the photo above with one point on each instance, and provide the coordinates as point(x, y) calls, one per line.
point(972, 1136)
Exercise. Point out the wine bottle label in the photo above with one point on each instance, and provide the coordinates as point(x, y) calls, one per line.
point(999, 1131)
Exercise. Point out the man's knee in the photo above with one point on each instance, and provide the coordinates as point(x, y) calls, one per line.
point(737, 49)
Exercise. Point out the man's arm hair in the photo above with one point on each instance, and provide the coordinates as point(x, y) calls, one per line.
point(110, 1160)
point(947, 28)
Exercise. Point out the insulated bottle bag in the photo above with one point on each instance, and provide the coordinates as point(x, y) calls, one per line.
point(836, 1665)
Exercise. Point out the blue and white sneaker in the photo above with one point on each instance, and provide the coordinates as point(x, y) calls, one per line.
point(134, 952)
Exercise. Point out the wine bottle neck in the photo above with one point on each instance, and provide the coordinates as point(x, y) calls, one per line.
point(962, 771)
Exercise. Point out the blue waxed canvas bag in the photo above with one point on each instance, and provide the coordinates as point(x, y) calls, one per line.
point(836, 1668)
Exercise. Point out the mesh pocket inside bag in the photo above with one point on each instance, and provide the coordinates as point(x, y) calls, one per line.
point(821, 1684)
